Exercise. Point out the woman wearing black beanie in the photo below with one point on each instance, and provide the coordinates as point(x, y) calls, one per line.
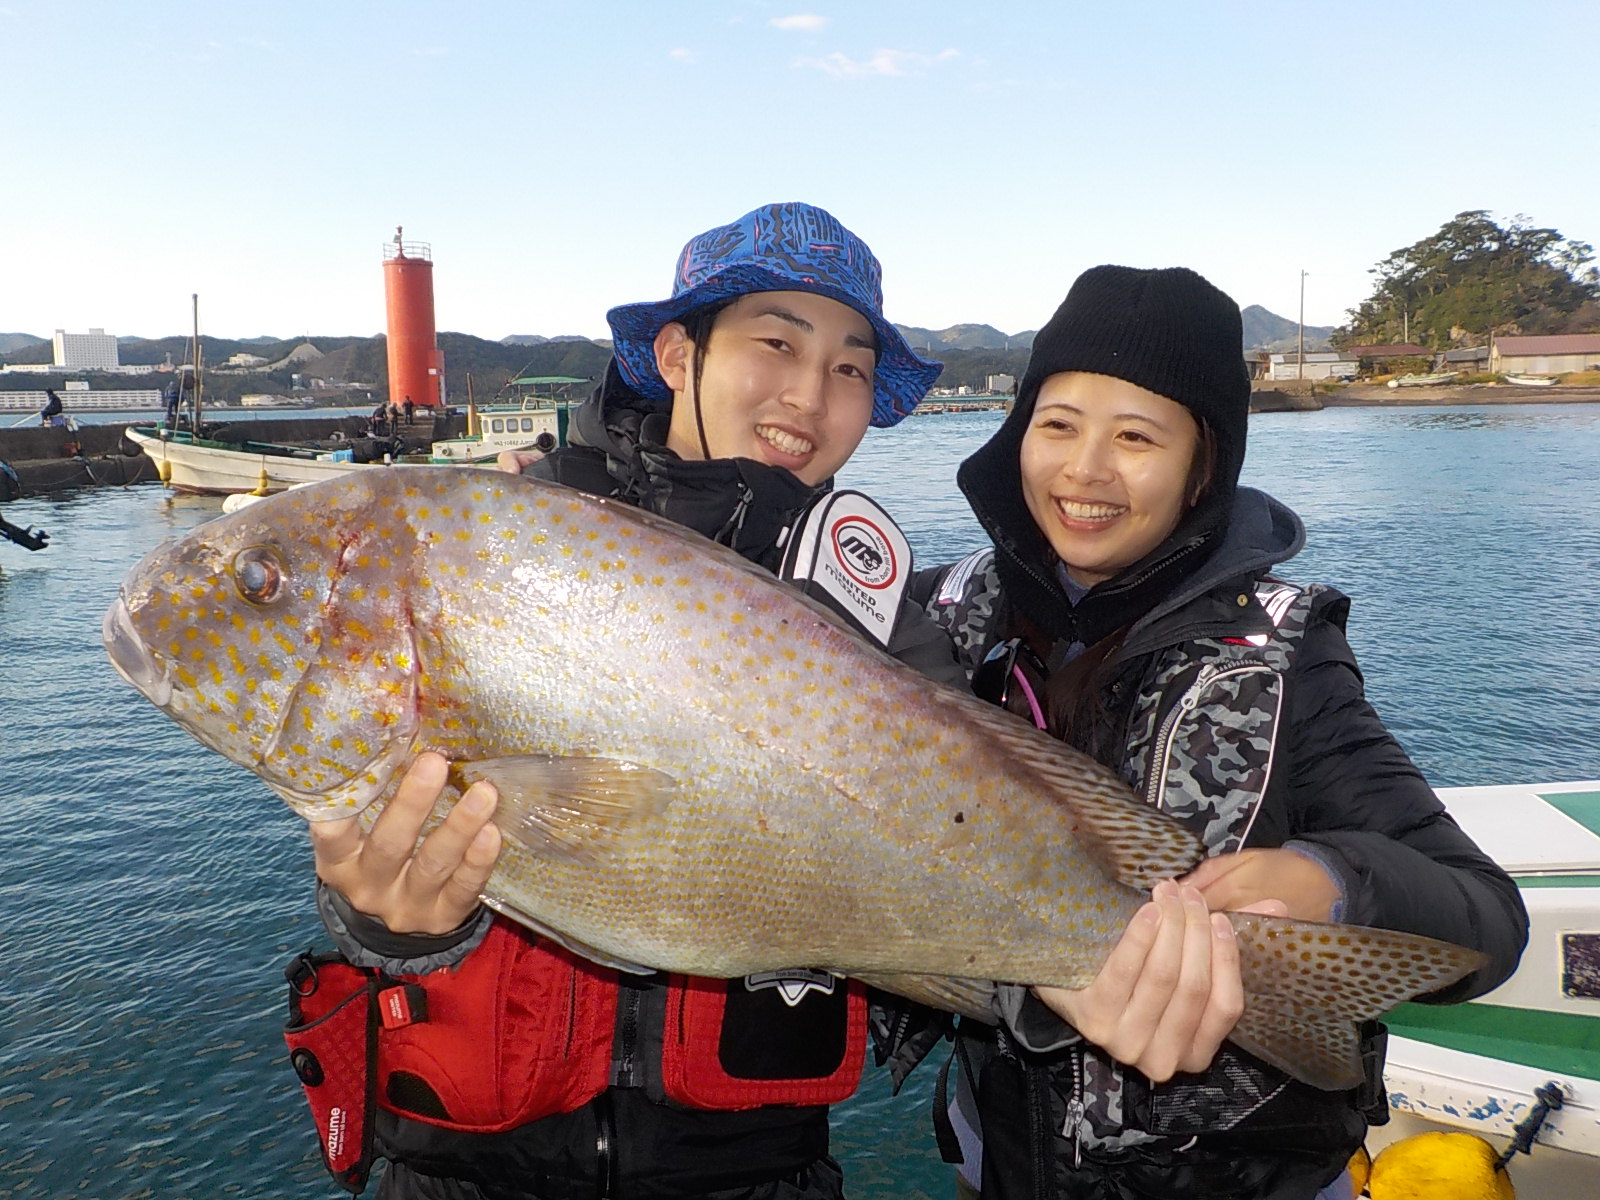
point(1128, 606)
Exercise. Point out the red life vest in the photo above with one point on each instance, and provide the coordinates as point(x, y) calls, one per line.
point(524, 1029)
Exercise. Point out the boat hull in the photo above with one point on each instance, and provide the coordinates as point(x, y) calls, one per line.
point(1478, 1066)
point(220, 469)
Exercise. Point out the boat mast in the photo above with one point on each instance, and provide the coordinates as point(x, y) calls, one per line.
point(194, 300)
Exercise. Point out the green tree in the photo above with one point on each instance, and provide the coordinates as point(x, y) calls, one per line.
point(1473, 278)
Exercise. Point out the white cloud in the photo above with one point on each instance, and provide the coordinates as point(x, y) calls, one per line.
point(880, 62)
point(800, 23)
point(681, 54)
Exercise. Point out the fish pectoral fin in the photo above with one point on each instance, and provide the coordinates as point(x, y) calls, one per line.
point(1307, 985)
point(567, 806)
point(965, 997)
point(581, 949)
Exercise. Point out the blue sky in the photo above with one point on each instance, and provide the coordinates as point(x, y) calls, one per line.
point(557, 155)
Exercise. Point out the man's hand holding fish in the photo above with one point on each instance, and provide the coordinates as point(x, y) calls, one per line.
point(427, 886)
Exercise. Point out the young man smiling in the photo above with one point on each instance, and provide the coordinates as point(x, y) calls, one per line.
point(727, 408)
point(790, 383)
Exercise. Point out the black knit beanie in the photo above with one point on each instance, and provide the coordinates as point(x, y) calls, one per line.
point(1169, 331)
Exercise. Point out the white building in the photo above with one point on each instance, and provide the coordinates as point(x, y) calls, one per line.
point(85, 351)
point(77, 398)
point(1000, 385)
point(1319, 364)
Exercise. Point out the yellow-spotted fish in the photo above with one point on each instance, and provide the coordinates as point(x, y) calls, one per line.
point(700, 770)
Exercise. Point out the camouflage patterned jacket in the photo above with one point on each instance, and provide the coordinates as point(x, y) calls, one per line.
point(1236, 705)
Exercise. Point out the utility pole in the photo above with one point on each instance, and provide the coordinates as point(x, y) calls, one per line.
point(1300, 358)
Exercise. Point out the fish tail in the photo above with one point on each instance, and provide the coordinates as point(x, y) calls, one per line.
point(1308, 986)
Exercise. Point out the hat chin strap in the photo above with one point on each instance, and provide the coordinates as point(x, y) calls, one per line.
point(699, 418)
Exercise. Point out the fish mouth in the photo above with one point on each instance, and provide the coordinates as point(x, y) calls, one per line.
point(131, 657)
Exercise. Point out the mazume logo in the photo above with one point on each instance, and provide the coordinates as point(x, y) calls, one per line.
point(864, 552)
point(336, 1122)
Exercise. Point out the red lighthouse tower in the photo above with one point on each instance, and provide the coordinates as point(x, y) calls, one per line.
point(416, 368)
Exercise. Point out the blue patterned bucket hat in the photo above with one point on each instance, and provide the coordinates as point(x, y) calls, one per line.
point(776, 248)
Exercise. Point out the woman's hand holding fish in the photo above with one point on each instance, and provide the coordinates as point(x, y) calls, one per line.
point(430, 886)
point(1240, 882)
point(1170, 991)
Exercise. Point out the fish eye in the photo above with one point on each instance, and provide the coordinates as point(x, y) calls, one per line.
point(258, 573)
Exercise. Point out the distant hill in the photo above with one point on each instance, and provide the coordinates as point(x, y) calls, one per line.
point(1268, 331)
point(16, 341)
point(965, 337)
point(536, 339)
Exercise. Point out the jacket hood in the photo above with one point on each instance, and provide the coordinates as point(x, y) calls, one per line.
point(1261, 533)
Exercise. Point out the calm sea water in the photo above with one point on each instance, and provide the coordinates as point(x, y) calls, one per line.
point(149, 891)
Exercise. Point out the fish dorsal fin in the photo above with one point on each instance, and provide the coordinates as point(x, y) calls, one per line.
point(581, 949)
point(568, 806)
point(1133, 843)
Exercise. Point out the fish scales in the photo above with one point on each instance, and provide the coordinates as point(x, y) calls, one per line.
point(700, 769)
point(675, 698)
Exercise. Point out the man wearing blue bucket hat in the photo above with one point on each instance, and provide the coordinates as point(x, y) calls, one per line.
point(778, 248)
point(534, 1074)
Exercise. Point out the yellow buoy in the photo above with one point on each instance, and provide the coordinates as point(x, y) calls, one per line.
point(261, 484)
point(1439, 1166)
point(1360, 1167)
point(163, 469)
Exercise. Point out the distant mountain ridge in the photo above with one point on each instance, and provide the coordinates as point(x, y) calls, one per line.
point(965, 337)
point(1268, 331)
point(538, 339)
point(1263, 330)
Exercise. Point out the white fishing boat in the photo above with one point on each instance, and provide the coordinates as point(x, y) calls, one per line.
point(1530, 380)
point(190, 458)
point(1485, 1066)
point(211, 466)
point(195, 463)
point(491, 430)
point(1435, 380)
point(535, 420)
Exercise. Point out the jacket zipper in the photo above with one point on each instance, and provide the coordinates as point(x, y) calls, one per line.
point(1037, 1090)
point(629, 1037)
point(604, 1139)
point(1073, 1126)
point(1155, 780)
point(605, 1134)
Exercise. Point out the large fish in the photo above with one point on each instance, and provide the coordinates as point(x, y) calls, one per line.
point(700, 770)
